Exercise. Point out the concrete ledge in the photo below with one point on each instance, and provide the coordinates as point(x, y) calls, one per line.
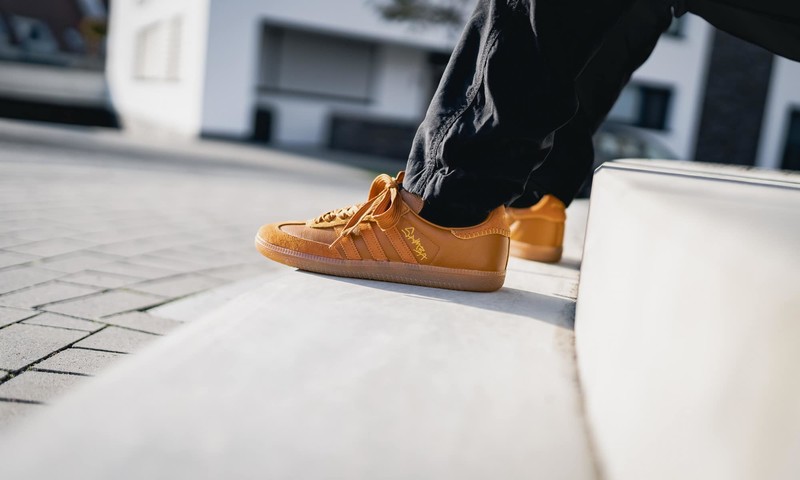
point(688, 322)
point(307, 376)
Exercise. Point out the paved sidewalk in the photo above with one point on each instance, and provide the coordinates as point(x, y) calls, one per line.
point(90, 240)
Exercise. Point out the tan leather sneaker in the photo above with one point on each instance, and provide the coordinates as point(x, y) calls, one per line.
point(384, 239)
point(537, 232)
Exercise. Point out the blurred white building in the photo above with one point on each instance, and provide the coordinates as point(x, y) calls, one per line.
point(52, 61)
point(335, 74)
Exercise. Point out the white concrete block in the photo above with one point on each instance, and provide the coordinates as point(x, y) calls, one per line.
point(688, 322)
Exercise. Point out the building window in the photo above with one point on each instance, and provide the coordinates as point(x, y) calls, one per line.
point(311, 64)
point(158, 51)
point(791, 152)
point(642, 106)
point(4, 40)
point(175, 29)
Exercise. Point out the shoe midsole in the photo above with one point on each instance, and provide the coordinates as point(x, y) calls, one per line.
point(415, 274)
point(538, 253)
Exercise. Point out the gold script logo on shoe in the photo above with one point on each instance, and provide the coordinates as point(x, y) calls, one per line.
point(416, 243)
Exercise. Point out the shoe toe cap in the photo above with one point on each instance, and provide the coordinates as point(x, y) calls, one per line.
point(274, 234)
point(292, 236)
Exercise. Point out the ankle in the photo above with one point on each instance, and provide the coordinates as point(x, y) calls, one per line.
point(451, 217)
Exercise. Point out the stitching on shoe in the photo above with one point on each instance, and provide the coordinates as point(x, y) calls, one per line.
point(482, 233)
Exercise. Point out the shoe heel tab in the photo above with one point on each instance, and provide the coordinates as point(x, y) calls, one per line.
point(551, 201)
point(552, 207)
point(499, 216)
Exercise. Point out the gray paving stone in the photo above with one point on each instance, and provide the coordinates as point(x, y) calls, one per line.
point(52, 247)
point(22, 224)
point(12, 412)
point(21, 277)
point(114, 339)
point(136, 223)
point(10, 240)
point(198, 254)
point(133, 270)
point(130, 248)
point(177, 286)
point(38, 386)
point(17, 215)
point(101, 279)
point(127, 248)
point(115, 235)
point(241, 253)
point(202, 263)
point(194, 307)
point(61, 219)
point(104, 304)
point(8, 259)
point(182, 265)
point(45, 293)
point(78, 360)
point(13, 221)
point(241, 243)
point(37, 234)
point(14, 315)
point(78, 262)
point(48, 319)
point(241, 272)
point(22, 345)
point(3, 374)
point(142, 321)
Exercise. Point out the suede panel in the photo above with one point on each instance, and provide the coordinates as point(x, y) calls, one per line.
point(273, 234)
point(319, 235)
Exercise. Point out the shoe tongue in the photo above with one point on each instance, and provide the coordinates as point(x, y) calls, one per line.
point(414, 202)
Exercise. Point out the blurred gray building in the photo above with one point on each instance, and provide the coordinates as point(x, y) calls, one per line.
point(317, 73)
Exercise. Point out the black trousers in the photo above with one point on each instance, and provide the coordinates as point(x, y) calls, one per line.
point(526, 87)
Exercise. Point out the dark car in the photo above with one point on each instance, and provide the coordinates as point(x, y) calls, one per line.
point(614, 141)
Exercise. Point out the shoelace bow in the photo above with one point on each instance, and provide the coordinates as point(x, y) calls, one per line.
point(382, 202)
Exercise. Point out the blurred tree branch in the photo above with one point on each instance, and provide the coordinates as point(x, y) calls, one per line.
point(451, 13)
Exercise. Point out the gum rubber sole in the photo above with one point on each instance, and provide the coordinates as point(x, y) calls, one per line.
point(537, 253)
point(397, 272)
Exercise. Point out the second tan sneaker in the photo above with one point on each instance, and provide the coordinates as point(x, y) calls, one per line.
point(385, 239)
point(537, 232)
